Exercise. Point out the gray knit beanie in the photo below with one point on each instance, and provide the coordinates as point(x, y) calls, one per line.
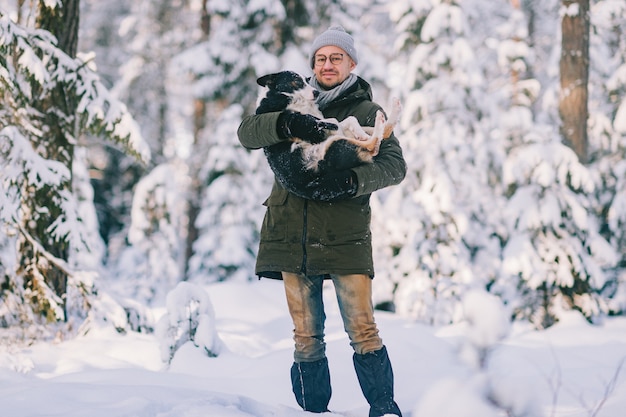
point(335, 36)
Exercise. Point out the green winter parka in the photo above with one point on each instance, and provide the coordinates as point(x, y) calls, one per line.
point(317, 237)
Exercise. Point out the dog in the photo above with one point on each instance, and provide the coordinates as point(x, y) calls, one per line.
point(296, 162)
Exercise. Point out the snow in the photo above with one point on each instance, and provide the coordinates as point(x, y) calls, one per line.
point(442, 16)
point(620, 118)
point(571, 10)
point(236, 362)
point(573, 369)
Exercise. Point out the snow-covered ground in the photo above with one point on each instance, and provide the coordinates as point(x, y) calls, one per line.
point(570, 370)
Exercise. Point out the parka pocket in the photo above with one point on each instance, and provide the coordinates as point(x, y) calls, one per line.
point(276, 217)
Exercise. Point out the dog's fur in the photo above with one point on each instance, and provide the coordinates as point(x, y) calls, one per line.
point(297, 162)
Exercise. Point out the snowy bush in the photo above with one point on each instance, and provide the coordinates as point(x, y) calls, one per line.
point(486, 322)
point(189, 318)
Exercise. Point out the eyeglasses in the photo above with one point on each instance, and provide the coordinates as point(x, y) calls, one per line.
point(335, 59)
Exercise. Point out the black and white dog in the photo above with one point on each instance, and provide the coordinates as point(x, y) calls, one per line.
point(295, 162)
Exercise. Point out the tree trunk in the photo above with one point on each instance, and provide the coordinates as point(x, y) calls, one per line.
point(297, 16)
point(59, 117)
point(199, 123)
point(62, 23)
point(574, 71)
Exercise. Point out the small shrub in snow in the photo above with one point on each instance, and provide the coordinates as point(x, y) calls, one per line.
point(487, 323)
point(189, 318)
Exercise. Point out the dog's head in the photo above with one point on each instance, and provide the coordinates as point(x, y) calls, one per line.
point(286, 90)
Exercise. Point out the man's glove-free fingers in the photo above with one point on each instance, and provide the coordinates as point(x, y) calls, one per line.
point(303, 126)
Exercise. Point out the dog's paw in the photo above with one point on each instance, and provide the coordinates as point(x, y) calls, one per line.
point(380, 118)
point(379, 125)
point(396, 109)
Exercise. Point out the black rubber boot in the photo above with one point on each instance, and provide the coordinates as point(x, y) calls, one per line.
point(310, 382)
point(375, 376)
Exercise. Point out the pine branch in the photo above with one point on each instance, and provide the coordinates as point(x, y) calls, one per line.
point(38, 247)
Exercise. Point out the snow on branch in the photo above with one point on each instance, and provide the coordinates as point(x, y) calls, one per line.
point(31, 61)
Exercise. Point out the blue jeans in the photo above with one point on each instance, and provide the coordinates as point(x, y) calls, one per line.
point(306, 306)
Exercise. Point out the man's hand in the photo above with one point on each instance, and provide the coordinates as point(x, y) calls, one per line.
point(303, 126)
point(333, 186)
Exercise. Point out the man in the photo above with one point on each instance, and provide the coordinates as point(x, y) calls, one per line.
point(327, 234)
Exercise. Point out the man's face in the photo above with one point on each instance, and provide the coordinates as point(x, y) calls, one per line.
point(330, 75)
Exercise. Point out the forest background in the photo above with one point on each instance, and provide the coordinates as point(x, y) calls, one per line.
point(122, 175)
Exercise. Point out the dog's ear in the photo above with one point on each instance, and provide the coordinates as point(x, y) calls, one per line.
point(266, 80)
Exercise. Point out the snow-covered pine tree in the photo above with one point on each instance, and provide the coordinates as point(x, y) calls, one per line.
point(231, 214)
point(50, 98)
point(136, 43)
point(220, 70)
point(150, 265)
point(444, 212)
point(607, 134)
point(554, 257)
point(113, 172)
point(152, 34)
point(515, 93)
point(553, 250)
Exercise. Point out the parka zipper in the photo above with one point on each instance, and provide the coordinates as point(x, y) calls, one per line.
point(304, 232)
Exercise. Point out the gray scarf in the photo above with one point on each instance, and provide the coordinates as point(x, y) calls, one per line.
point(327, 96)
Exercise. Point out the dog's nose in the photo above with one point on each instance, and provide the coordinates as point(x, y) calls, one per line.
point(315, 93)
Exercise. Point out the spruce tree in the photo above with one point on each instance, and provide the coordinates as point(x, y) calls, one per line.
point(448, 212)
point(51, 98)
